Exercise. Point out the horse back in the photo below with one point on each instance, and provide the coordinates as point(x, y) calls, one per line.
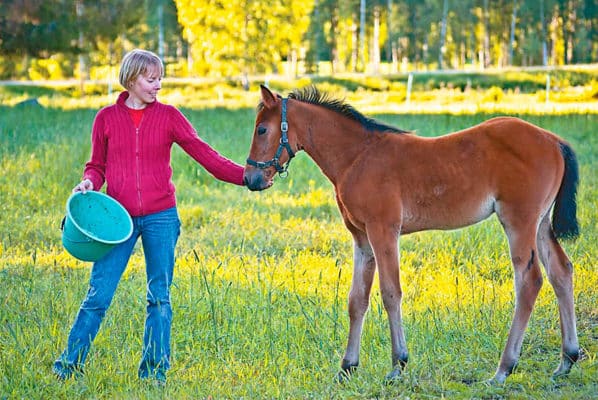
point(454, 180)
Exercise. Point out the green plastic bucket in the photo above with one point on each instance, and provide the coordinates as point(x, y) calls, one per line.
point(94, 224)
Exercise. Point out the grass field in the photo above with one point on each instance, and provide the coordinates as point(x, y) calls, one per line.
point(262, 278)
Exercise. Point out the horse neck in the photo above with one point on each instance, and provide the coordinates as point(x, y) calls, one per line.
point(331, 140)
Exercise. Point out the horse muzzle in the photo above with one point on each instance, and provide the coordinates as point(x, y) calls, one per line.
point(257, 179)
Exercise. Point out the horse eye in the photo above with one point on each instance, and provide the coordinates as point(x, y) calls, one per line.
point(261, 130)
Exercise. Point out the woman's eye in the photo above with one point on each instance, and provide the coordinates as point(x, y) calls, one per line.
point(261, 130)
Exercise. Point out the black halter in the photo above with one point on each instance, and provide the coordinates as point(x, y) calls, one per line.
point(284, 144)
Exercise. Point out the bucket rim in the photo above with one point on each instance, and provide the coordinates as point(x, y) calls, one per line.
point(90, 234)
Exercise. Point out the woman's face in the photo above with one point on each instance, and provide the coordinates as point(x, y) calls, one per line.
point(144, 89)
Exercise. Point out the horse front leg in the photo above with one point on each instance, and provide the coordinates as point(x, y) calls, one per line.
point(384, 242)
point(364, 266)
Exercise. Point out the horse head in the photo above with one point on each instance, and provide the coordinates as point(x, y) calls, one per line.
point(272, 146)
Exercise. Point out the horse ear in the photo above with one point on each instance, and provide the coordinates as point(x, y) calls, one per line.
point(268, 98)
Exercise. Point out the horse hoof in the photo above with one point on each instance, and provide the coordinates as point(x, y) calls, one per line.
point(393, 377)
point(495, 381)
point(562, 370)
point(567, 362)
point(344, 375)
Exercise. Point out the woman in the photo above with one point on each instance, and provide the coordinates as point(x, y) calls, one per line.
point(131, 144)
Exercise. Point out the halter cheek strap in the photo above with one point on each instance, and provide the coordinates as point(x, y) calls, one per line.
point(284, 144)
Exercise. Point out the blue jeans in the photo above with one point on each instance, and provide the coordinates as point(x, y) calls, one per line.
point(159, 233)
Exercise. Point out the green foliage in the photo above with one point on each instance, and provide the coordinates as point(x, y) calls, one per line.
point(218, 38)
point(587, 93)
point(7, 67)
point(228, 38)
point(261, 281)
point(36, 28)
point(53, 68)
point(286, 85)
point(493, 95)
point(522, 81)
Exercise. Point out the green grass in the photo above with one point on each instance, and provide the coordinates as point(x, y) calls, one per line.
point(262, 279)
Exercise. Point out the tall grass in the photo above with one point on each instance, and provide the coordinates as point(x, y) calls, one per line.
point(262, 278)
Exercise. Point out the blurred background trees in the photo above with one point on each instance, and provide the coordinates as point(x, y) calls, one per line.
point(60, 39)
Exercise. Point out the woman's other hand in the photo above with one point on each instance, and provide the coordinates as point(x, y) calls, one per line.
point(83, 187)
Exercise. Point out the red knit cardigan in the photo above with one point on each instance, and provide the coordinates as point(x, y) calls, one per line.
point(135, 162)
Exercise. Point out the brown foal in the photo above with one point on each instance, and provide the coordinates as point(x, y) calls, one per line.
point(389, 182)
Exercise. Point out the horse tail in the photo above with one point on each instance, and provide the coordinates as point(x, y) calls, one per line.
point(564, 213)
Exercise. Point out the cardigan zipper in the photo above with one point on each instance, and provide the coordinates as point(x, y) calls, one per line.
point(138, 164)
point(138, 173)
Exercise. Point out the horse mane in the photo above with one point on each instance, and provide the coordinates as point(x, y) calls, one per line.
point(312, 95)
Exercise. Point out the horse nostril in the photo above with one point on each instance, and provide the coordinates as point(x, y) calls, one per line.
point(251, 182)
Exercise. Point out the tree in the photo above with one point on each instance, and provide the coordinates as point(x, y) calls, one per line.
point(361, 45)
point(442, 48)
point(249, 36)
point(37, 28)
point(486, 19)
point(461, 42)
point(323, 35)
point(512, 31)
point(163, 33)
point(228, 38)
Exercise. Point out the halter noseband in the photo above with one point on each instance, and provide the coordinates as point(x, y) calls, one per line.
point(284, 144)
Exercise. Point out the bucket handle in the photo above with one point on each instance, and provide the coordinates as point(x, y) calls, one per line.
point(62, 223)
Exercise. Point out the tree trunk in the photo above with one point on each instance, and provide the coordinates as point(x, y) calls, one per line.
point(362, 33)
point(486, 61)
point(318, 40)
point(389, 45)
point(355, 49)
point(411, 48)
point(161, 30)
point(110, 58)
point(334, 61)
point(569, 25)
point(544, 44)
point(79, 9)
point(376, 41)
point(442, 47)
point(512, 35)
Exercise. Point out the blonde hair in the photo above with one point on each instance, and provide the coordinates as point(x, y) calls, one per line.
point(138, 62)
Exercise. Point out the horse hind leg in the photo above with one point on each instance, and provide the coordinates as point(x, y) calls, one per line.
point(364, 266)
point(560, 275)
point(528, 281)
